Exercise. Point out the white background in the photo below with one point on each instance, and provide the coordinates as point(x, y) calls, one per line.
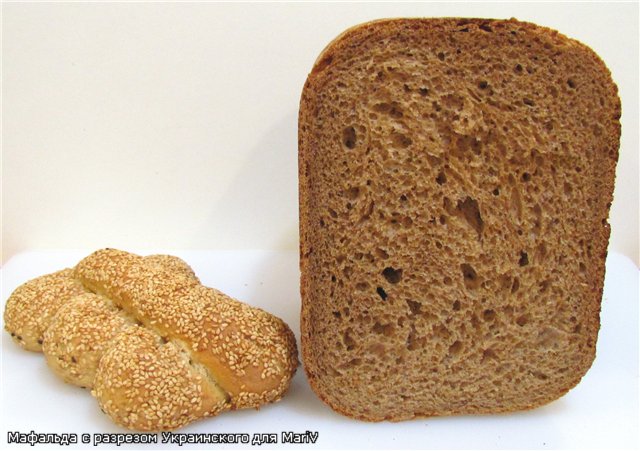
point(175, 125)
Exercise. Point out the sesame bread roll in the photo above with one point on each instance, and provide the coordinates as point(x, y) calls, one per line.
point(158, 349)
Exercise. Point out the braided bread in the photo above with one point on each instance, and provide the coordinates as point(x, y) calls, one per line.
point(157, 348)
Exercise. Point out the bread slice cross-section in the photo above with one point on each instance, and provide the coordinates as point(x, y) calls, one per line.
point(455, 183)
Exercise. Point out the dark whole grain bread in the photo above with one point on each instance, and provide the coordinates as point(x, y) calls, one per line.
point(455, 183)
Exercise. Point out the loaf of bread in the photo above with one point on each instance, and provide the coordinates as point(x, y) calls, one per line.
point(455, 183)
point(157, 348)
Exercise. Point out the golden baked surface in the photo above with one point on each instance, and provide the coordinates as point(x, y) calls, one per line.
point(455, 183)
point(157, 348)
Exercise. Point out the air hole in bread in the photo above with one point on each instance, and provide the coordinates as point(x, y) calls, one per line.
point(572, 83)
point(496, 192)
point(470, 277)
point(453, 102)
point(378, 350)
point(413, 341)
point(522, 320)
point(582, 267)
point(349, 137)
point(526, 177)
point(483, 84)
point(455, 348)
point(505, 281)
point(366, 214)
point(352, 193)
point(544, 285)
point(392, 275)
point(456, 306)
point(524, 259)
point(348, 341)
point(447, 280)
point(441, 56)
point(414, 307)
point(441, 179)
point(488, 354)
point(597, 130)
point(527, 101)
point(383, 329)
point(362, 286)
point(540, 375)
point(441, 331)
point(486, 27)
point(471, 213)
point(351, 363)
point(515, 286)
point(423, 91)
point(489, 315)
point(400, 140)
point(392, 109)
point(381, 253)
point(381, 293)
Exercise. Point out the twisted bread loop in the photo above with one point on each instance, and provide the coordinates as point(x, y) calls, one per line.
point(158, 349)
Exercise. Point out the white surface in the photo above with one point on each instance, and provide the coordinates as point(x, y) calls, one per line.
point(600, 413)
point(171, 125)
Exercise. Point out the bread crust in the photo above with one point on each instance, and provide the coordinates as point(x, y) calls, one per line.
point(361, 42)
